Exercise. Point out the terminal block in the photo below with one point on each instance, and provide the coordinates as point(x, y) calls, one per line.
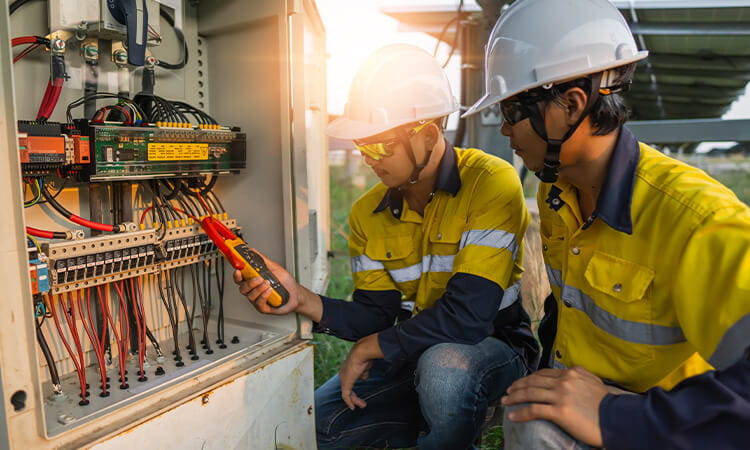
point(100, 260)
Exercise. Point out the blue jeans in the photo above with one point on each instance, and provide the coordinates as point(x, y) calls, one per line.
point(537, 434)
point(439, 402)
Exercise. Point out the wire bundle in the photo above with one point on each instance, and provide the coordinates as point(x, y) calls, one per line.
point(68, 312)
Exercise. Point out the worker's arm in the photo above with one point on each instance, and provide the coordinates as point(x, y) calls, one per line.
point(369, 312)
point(483, 269)
point(711, 288)
point(711, 410)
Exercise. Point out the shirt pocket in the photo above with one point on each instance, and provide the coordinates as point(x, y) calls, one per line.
point(447, 233)
point(622, 308)
point(625, 282)
point(389, 248)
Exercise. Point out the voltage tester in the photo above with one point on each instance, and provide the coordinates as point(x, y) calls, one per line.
point(240, 256)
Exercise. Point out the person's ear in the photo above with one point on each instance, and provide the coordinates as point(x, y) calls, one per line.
point(431, 135)
point(575, 100)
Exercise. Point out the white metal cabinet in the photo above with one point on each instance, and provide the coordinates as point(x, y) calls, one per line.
point(261, 67)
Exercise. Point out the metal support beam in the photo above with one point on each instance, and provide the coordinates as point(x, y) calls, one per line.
point(691, 29)
point(692, 130)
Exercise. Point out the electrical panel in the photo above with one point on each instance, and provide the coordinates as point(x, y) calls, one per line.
point(124, 307)
point(164, 150)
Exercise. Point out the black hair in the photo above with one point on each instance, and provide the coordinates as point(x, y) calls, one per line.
point(609, 112)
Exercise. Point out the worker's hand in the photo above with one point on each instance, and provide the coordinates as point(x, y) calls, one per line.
point(357, 367)
point(257, 290)
point(570, 398)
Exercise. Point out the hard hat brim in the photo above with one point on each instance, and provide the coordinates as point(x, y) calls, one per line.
point(347, 129)
point(488, 100)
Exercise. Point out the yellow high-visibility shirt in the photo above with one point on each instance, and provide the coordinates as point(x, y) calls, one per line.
point(473, 224)
point(656, 284)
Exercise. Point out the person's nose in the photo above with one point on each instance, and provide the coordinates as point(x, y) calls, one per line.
point(506, 129)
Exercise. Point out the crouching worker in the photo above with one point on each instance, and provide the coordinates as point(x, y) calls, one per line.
point(647, 257)
point(436, 252)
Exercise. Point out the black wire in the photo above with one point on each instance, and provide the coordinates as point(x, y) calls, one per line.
point(216, 197)
point(205, 309)
point(445, 29)
point(200, 115)
point(220, 278)
point(171, 312)
point(188, 317)
point(174, 189)
point(17, 4)
point(53, 374)
point(180, 38)
point(205, 188)
point(97, 96)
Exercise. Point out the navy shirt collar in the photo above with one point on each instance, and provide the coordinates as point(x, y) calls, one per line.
point(614, 203)
point(448, 180)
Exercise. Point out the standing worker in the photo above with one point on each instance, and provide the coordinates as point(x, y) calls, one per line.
point(438, 244)
point(648, 258)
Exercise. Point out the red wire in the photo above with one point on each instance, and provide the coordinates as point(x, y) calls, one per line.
point(140, 327)
point(40, 233)
point(124, 111)
point(100, 299)
point(79, 371)
point(23, 40)
point(124, 329)
point(70, 318)
point(25, 52)
point(200, 197)
point(46, 109)
point(121, 350)
point(89, 224)
point(45, 100)
point(90, 328)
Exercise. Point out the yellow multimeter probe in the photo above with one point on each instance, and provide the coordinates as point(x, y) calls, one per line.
point(248, 262)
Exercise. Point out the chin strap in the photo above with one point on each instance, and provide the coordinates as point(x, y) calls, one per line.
point(414, 177)
point(549, 172)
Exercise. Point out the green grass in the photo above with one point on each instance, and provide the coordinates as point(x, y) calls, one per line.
point(347, 184)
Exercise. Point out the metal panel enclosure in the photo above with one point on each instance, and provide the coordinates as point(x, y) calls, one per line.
point(258, 65)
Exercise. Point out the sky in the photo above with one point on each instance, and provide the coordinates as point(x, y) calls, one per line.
point(356, 28)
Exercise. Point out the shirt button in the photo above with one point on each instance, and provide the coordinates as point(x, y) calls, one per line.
point(440, 236)
point(567, 303)
point(617, 287)
point(544, 247)
point(388, 255)
point(575, 250)
point(558, 354)
point(396, 211)
point(555, 201)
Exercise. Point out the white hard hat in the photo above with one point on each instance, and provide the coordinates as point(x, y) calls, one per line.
point(396, 85)
point(538, 42)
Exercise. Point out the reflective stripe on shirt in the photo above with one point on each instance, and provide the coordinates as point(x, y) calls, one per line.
point(490, 238)
point(363, 262)
point(627, 330)
point(510, 295)
point(430, 263)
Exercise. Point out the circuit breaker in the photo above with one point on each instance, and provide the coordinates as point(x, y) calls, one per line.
point(127, 122)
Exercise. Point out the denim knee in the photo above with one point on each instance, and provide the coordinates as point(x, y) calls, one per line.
point(536, 434)
point(446, 377)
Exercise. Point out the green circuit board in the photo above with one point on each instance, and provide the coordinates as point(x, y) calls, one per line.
point(151, 152)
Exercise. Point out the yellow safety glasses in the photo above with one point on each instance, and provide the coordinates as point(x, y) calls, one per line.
point(380, 150)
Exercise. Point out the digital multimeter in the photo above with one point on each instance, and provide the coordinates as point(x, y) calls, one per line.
point(248, 262)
